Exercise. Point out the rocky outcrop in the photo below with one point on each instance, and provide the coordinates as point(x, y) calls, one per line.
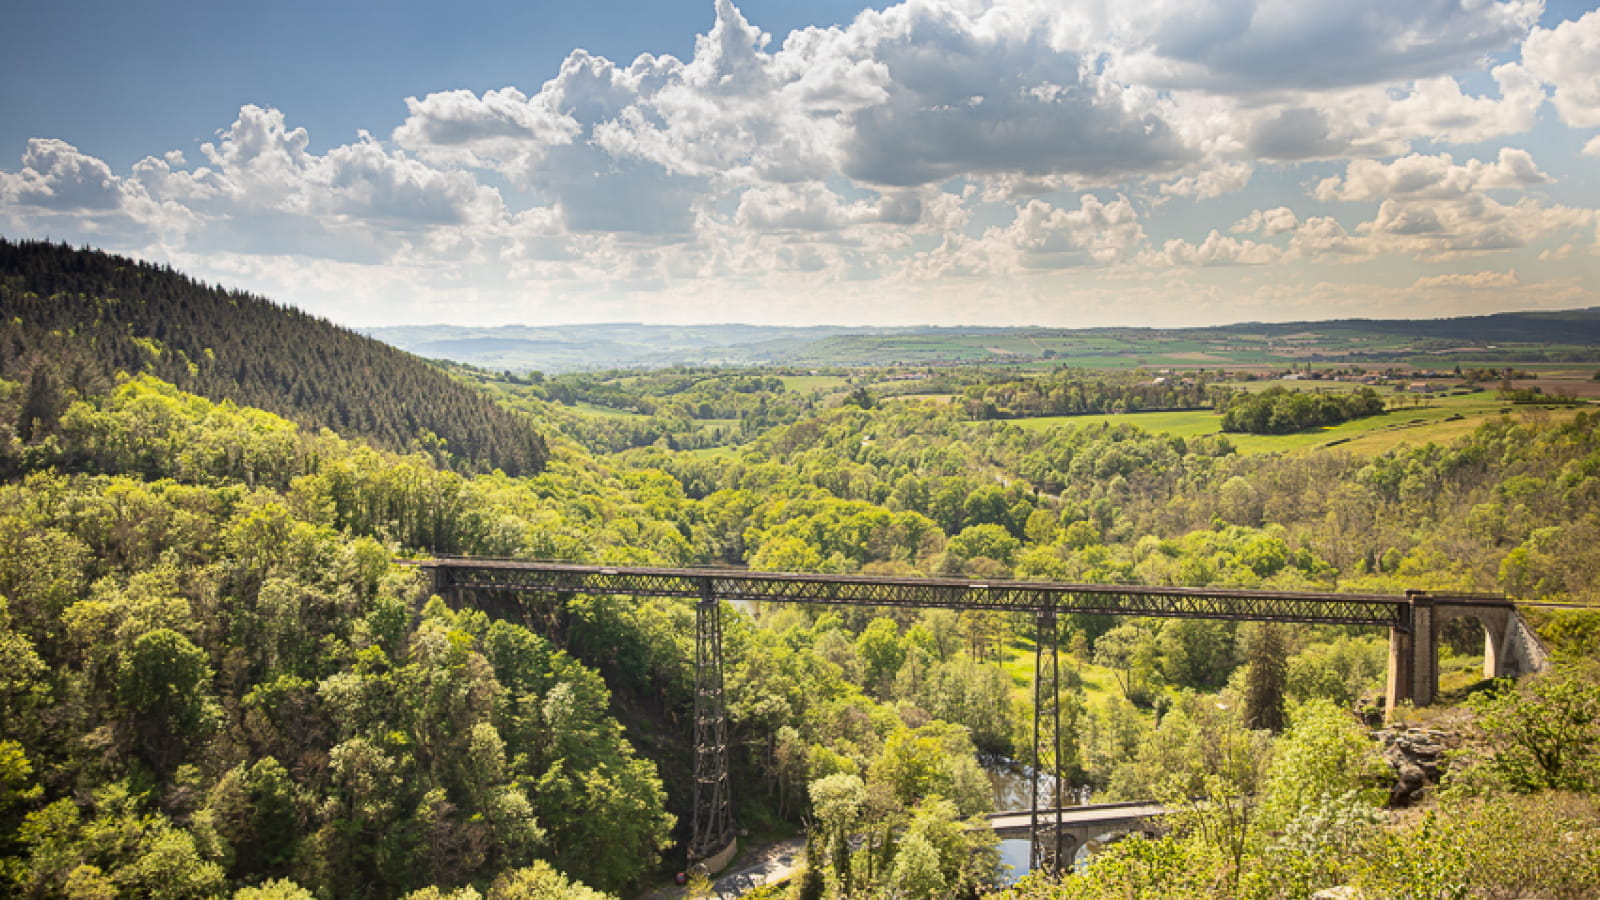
point(1417, 756)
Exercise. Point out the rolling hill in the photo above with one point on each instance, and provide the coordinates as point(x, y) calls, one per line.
point(71, 319)
point(1523, 337)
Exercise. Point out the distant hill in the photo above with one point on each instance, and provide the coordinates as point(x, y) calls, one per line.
point(1512, 336)
point(1568, 326)
point(76, 317)
point(577, 348)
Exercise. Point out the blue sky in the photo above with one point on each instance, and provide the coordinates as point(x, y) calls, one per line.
point(1051, 162)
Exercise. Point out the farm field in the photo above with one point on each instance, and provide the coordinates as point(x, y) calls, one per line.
point(1435, 419)
point(605, 412)
point(805, 384)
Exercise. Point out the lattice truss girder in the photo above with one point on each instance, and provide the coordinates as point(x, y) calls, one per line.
point(1349, 609)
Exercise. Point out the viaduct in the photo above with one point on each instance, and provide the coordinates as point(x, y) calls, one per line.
point(1413, 619)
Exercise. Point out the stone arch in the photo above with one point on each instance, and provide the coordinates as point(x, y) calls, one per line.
point(1045, 849)
point(1510, 646)
point(1496, 624)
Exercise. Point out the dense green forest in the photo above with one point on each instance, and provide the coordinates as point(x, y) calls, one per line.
point(71, 319)
point(215, 680)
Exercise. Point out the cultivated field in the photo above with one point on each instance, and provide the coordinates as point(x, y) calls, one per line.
point(1419, 421)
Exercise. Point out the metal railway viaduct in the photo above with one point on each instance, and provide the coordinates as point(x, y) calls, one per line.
point(1413, 620)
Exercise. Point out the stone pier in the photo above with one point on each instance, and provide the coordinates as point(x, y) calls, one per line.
point(1509, 646)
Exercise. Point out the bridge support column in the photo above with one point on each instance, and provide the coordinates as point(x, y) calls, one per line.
point(1414, 656)
point(712, 831)
point(1046, 837)
point(442, 584)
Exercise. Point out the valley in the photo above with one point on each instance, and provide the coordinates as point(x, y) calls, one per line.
point(224, 675)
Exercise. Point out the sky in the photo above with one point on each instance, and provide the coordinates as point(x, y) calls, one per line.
point(1065, 163)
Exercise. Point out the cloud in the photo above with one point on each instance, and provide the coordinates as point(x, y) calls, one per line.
point(996, 143)
point(1324, 238)
point(1279, 220)
point(262, 191)
point(361, 201)
point(365, 183)
point(986, 96)
point(1296, 133)
point(1433, 207)
point(1437, 110)
point(1268, 46)
point(60, 190)
point(1568, 56)
point(1041, 236)
point(1044, 236)
point(1476, 281)
point(1216, 250)
point(56, 177)
point(1214, 181)
point(502, 129)
point(812, 208)
point(1430, 177)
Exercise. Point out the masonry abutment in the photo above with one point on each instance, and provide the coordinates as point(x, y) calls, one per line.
point(1398, 690)
point(1414, 655)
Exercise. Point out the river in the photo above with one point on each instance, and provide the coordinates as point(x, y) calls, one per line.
point(1013, 791)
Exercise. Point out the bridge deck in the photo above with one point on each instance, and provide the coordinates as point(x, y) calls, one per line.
point(949, 593)
point(1108, 814)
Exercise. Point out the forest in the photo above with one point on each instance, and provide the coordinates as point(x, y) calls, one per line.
point(219, 678)
point(72, 319)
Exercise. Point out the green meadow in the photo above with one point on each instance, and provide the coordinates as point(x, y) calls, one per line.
point(1422, 419)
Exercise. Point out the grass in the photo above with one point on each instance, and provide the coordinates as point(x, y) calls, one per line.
point(604, 412)
point(1309, 387)
point(1099, 684)
point(805, 384)
point(1450, 419)
point(923, 398)
point(1184, 423)
point(1459, 675)
point(1439, 419)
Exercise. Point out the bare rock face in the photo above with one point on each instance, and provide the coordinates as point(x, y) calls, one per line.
point(1417, 756)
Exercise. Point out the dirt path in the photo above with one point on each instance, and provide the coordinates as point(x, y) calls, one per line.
point(754, 867)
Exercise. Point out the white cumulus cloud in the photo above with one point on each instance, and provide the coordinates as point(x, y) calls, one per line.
point(1568, 56)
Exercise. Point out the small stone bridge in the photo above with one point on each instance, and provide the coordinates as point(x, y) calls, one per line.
point(1063, 831)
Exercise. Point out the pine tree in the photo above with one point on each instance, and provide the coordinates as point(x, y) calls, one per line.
point(1267, 653)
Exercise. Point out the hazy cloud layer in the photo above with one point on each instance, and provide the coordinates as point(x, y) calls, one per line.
point(957, 160)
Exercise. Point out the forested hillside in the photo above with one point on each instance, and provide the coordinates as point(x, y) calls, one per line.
point(71, 319)
point(211, 675)
point(216, 681)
